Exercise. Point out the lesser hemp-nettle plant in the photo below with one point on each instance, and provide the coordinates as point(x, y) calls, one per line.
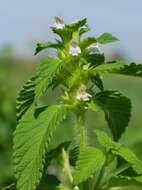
point(76, 71)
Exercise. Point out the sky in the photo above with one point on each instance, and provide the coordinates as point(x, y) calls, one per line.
point(23, 23)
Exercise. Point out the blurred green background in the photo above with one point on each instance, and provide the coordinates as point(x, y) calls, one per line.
point(23, 23)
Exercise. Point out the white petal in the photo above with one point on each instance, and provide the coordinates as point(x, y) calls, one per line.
point(58, 25)
point(75, 51)
point(94, 49)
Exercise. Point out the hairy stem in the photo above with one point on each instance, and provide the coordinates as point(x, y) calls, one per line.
point(80, 120)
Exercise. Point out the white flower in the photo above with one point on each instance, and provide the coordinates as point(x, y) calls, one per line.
point(82, 94)
point(74, 49)
point(94, 49)
point(59, 23)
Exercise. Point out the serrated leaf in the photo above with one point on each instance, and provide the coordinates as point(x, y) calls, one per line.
point(106, 38)
point(132, 69)
point(87, 42)
point(31, 141)
point(121, 181)
point(25, 98)
point(90, 161)
point(73, 155)
point(117, 109)
point(119, 150)
point(46, 71)
point(42, 46)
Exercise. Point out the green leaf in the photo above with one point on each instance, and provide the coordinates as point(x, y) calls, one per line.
point(42, 46)
point(130, 70)
point(106, 38)
point(108, 67)
point(121, 181)
point(95, 59)
point(117, 109)
point(87, 42)
point(73, 155)
point(25, 98)
point(90, 161)
point(31, 141)
point(83, 30)
point(75, 26)
point(119, 150)
point(46, 71)
point(97, 80)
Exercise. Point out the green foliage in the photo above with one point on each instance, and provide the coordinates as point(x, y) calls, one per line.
point(90, 161)
point(108, 67)
point(42, 46)
point(75, 72)
point(25, 98)
point(119, 150)
point(123, 181)
point(46, 71)
point(106, 38)
point(117, 109)
point(31, 141)
point(130, 70)
point(87, 42)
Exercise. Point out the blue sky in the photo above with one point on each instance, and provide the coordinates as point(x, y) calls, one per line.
point(23, 23)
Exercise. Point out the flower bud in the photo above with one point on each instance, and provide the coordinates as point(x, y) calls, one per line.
point(59, 23)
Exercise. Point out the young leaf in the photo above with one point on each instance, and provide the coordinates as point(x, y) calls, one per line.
point(119, 150)
point(42, 46)
point(25, 98)
point(31, 141)
point(106, 38)
point(75, 26)
point(83, 30)
point(117, 109)
point(87, 42)
point(46, 71)
point(90, 161)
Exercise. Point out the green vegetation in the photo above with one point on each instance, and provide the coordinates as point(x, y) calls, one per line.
point(63, 101)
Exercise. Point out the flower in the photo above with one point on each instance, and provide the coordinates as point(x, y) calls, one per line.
point(74, 49)
point(82, 94)
point(94, 48)
point(59, 23)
